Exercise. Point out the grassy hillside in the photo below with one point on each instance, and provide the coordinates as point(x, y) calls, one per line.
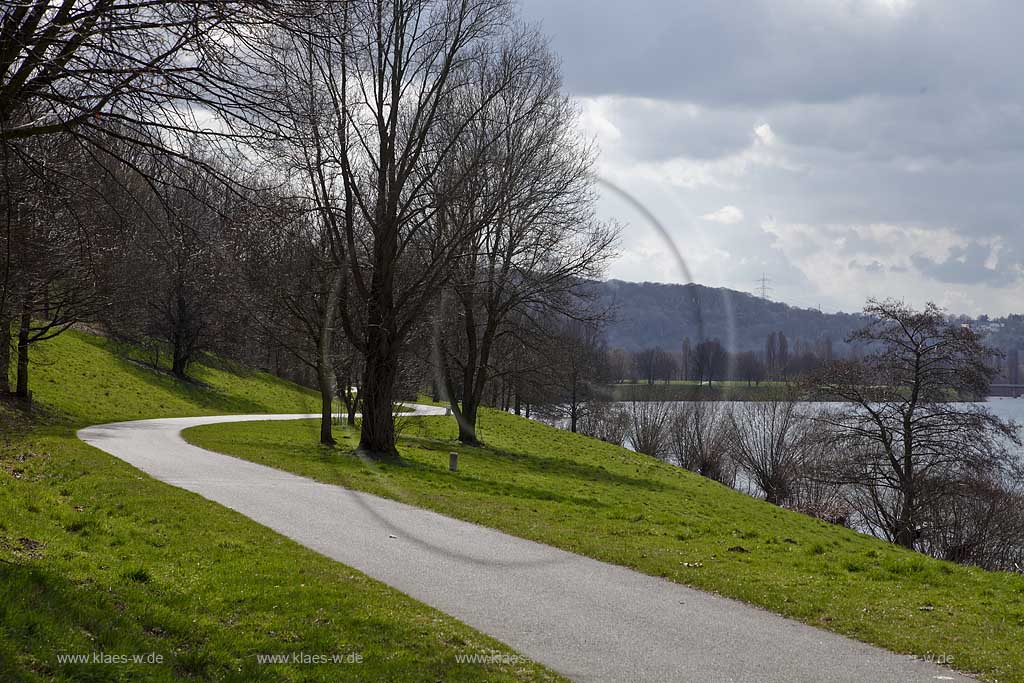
point(97, 559)
point(609, 503)
point(87, 379)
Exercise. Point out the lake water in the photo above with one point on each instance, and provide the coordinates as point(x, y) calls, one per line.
point(1007, 408)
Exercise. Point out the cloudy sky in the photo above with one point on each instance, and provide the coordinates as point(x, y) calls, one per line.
point(846, 148)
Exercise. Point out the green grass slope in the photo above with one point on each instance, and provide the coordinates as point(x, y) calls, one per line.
point(97, 559)
point(88, 379)
point(611, 504)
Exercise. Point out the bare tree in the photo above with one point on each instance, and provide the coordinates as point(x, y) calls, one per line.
point(54, 212)
point(649, 423)
point(980, 521)
point(815, 490)
point(606, 421)
point(750, 368)
point(77, 64)
point(381, 97)
point(568, 370)
point(291, 289)
point(770, 441)
point(709, 361)
point(653, 364)
point(902, 438)
point(174, 239)
point(699, 440)
point(535, 238)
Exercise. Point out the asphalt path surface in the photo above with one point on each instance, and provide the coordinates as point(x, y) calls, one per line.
point(589, 620)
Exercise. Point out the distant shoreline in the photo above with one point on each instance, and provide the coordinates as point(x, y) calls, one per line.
point(719, 391)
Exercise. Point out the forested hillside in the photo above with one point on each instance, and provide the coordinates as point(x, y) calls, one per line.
point(650, 314)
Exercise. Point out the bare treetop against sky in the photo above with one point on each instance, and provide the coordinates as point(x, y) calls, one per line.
point(847, 148)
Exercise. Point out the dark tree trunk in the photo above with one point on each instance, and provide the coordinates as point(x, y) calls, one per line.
point(574, 402)
point(326, 386)
point(179, 362)
point(473, 387)
point(326, 405)
point(181, 355)
point(324, 369)
point(467, 424)
point(474, 376)
point(352, 406)
point(24, 330)
point(377, 434)
point(5, 354)
point(518, 404)
point(905, 531)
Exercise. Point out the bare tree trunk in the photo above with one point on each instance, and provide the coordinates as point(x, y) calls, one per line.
point(324, 369)
point(352, 405)
point(377, 434)
point(23, 342)
point(326, 402)
point(5, 354)
point(179, 340)
point(905, 524)
point(574, 406)
point(179, 359)
point(473, 386)
point(467, 425)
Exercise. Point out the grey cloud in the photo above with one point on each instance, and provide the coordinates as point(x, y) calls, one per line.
point(767, 51)
point(654, 129)
point(873, 267)
point(965, 265)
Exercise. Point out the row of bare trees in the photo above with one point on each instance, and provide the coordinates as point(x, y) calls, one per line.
point(94, 96)
point(364, 192)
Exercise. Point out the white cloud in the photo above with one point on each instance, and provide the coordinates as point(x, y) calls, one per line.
point(727, 215)
point(765, 134)
point(595, 118)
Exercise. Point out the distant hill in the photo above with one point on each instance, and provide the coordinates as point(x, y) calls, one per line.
point(651, 314)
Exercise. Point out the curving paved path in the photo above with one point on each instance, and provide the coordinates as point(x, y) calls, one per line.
point(589, 620)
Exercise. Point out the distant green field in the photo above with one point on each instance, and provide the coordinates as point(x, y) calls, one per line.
point(612, 504)
point(97, 558)
point(695, 383)
point(680, 390)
